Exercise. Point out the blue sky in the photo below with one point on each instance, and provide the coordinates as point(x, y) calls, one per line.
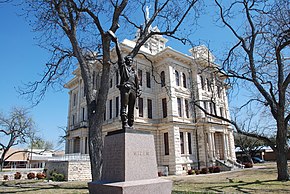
point(22, 61)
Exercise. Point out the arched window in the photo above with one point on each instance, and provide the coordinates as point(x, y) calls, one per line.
point(177, 78)
point(184, 79)
point(162, 75)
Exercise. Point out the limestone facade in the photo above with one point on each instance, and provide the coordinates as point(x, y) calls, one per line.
point(170, 80)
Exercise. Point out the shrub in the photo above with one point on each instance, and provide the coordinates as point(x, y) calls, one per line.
point(17, 175)
point(248, 165)
point(57, 177)
point(197, 172)
point(190, 172)
point(31, 175)
point(210, 169)
point(216, 169)
point(5, 177)
point(40, 175)
point(204, 171)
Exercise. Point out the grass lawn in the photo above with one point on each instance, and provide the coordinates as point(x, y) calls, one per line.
point(260, 179)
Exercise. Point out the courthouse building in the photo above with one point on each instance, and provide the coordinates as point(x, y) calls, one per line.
point(170, 81)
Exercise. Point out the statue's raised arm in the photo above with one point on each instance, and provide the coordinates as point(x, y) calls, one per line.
point(118, 49)
point(129, 86)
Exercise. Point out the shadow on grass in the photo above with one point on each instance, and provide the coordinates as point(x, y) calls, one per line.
point(247, 187)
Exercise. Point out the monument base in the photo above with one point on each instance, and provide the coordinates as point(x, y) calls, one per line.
point(147, 186)
point(130, 165)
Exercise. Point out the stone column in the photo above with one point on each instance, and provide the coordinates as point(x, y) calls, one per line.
point(225, 147)
point(72, 142)
point(210, 145)
point(231, 144)
point(177, 151)
point(83, 145)
point(213, 145)
point(66, 146)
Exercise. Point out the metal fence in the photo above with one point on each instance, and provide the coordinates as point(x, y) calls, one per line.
point(71, 157)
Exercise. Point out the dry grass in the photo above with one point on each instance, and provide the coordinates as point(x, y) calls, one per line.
point(260, 179)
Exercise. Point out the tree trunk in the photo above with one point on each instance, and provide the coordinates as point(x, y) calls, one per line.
point(1, 165)
point(96, 110)
point(282, 150)
point(95, 146)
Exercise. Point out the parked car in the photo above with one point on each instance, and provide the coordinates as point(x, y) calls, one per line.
point(257, 160)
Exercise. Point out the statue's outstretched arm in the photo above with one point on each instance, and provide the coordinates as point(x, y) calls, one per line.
point(118, 50)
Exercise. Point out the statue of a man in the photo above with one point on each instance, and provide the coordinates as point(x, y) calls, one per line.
point(129, 86)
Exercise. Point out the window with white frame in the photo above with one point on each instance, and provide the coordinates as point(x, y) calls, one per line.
point(179, 107)
point(177, 78)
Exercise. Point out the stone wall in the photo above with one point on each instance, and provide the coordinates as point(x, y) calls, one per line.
point(79, 170)
point(72, 170)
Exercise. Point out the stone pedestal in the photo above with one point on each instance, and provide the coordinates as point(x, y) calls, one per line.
point(130, 166)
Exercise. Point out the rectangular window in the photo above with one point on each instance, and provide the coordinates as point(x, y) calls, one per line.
point(211, 107)
point(117, 106)
point(149, 108)
point(221, 112)
point(179, 106)
point(181, 142)
point(83, 113)
point(75, 100)
point(219, 91)
point(86, 145)
point(73, 119)
point(208, 84)
point(140, 77)
point(166, 144)
point(186, 108)
point(105, 112)
point(140, 104)
point(117, 77)
point(205, 105)
point(164, 107)
point(110, 109)
point(111, 83)
point(189, 143)
point(148, 80)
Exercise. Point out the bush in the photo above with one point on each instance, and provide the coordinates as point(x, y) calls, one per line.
point(248, 165)
point(57, 177)
point(40, 175)
point(5, 177)
point(197, 172)
point(190, 172)
point(216, 169)
point(17, 175)
point(31, 175)
point(204, 171)
point(210, 169)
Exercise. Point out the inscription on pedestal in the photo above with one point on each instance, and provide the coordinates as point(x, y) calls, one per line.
point(141, 153)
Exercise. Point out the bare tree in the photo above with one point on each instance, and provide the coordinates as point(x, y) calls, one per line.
point(249, 146)
point(76, 31)
point(16, 128)
point(260, 61)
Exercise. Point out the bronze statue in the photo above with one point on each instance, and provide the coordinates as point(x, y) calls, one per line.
point(129, 86)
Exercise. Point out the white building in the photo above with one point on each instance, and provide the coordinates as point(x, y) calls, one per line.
point(170, 80)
